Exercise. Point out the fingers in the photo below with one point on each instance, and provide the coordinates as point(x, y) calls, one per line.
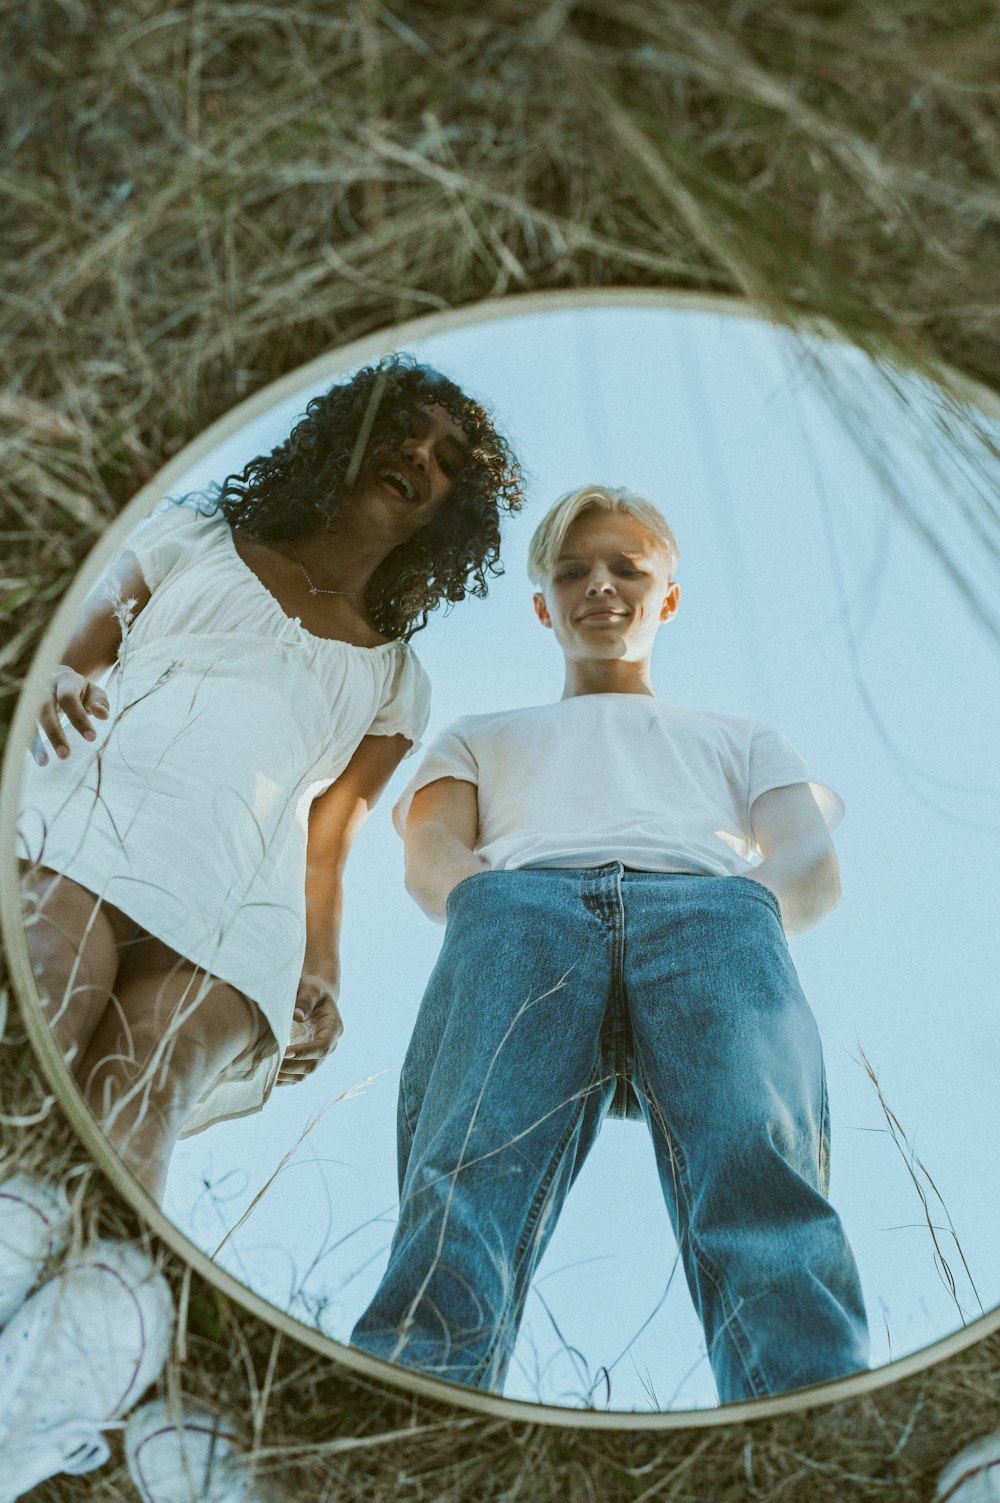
point(78, 701)
point(296, 1067)
point(316, 1029)
point(51, 726)
point(76, 698)
point(301, 1059)
point(294, 1071)
point(96, 701)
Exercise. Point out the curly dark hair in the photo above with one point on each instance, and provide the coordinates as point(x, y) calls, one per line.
point(309, 477)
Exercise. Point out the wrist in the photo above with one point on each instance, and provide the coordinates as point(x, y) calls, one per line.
point(322, 963)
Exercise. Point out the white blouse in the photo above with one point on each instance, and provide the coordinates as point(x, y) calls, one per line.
point(189, 812)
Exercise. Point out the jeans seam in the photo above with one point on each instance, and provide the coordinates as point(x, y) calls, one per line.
point(824, 1138)
point(408, 1117)
point(732, 1325)
point(618, 999)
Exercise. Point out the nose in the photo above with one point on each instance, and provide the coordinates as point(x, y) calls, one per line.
point(600, 584)
point(417, 450)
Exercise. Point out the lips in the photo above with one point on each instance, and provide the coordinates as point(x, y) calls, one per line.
point(399, 480)
point(606, 612)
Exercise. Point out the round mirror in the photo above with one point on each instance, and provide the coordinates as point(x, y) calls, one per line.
point(833, 585)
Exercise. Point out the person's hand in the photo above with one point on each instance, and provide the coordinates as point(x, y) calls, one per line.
point(78, 699)
point(316, 1028)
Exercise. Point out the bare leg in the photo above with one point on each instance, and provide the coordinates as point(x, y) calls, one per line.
point(169, 1031)
point(144, 1032)
point(74, 941)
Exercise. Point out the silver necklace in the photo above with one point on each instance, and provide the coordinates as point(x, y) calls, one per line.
point(314, 589)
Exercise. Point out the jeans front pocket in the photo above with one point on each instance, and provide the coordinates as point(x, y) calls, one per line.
point(761, 891)
point(465, 884)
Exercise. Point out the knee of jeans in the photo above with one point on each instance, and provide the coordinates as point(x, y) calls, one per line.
point(432, 1191)
point(467, 1231)
point(798, 1143)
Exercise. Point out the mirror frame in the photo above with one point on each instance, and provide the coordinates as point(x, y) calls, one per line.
point(316, 375)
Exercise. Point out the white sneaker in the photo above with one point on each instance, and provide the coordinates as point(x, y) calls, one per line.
point(75, 1357)
point(189, 1454)
point(974, 1474)
point(34, 1225)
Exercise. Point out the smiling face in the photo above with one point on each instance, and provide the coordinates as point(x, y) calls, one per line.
point(610, 589)
point(405, 482)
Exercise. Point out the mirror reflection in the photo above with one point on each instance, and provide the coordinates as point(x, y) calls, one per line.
point(614, 1131)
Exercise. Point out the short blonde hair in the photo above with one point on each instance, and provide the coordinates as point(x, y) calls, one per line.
point(548, 537)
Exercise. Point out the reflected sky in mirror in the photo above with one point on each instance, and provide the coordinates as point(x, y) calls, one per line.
point(811, 603)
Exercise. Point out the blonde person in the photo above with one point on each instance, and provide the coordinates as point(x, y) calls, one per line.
point(186, 827)
point(610, 944)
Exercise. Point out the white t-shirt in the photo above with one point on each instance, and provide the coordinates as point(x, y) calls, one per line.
point(616, 777)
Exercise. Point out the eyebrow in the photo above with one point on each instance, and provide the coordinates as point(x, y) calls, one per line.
point(582, 558)
point(461, 448)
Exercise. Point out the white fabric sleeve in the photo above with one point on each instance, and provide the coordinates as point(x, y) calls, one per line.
point(173, 532)
point(448, 756)
point(774, 763)
point(407, 706)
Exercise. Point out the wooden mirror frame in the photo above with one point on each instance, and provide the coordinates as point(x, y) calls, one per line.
point(314, 376)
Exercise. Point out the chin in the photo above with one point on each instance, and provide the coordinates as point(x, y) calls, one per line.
point(606, 652)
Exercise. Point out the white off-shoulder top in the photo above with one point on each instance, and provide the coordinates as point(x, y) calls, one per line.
point(189, 812)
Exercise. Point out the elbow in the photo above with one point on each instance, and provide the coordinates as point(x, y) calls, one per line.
point(826, 882)
point(412, 871)
point(421, 890)
point(411, 881)
point(837, 891)
point(815, 893)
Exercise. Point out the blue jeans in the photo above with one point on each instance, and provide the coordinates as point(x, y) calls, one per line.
point(555, 992)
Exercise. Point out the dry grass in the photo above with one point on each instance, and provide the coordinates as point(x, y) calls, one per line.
point(199, 198)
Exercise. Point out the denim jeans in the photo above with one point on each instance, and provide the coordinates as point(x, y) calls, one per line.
point(552, 988)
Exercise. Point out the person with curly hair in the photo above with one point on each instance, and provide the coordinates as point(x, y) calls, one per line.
point(183, 865)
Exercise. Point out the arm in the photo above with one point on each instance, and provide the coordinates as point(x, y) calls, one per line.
point(91, 649)
point(799, 863)
point(334, 820)
point(441, 831)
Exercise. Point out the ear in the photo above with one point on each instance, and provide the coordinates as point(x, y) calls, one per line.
point(542, 610)
point(670, 601)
